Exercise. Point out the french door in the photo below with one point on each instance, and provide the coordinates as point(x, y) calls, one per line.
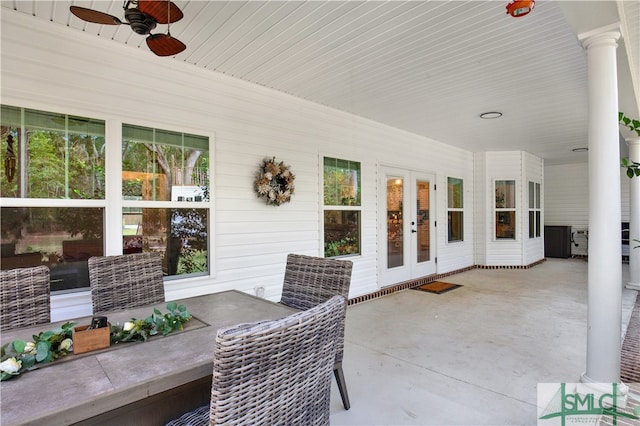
point(407, 225)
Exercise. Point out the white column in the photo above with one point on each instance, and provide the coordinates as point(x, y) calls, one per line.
point(605, 252)
point(634, 218)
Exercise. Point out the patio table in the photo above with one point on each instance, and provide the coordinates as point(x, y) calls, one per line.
point(130, 383)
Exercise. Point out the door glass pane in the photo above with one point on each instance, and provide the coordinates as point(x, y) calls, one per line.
point(422, 225)
point(395, 234)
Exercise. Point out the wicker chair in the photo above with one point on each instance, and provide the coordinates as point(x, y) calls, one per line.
point(274, 372)
point(309, 281)
point(125, 281)
point(24, 297)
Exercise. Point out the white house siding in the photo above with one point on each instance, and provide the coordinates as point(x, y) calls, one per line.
point(459, 254)
point(566, 201)
point(51, 68)
point(533, 171)
point(506, 165)
point(482, 204)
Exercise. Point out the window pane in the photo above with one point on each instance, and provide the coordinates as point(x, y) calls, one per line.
point(50, 155)
point(532, 224)
point(63, 238)
point(455, 219)
point(537, 195)
point(506, 225)
point(179, 235)
point(341, 232)
point(160, 165)
point(505, 194)
point(532, 195)
point(341, 182)
point(454, 193)
point(537, 223)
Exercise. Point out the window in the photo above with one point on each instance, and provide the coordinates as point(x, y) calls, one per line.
point(455, 213)
point(534, 209)
point(165, 191)
point(505, 209)
point(342, 207)
point(46, 158)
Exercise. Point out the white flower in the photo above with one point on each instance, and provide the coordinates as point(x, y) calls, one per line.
point(30, 349)
point(66, 344)
point(128, 326)
point(11, 366)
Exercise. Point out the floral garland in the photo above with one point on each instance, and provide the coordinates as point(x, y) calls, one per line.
point(19, 356)
point(274, 182)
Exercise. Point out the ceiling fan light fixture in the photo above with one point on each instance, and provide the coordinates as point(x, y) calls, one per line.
point(520, 8)
point(142, 16)
point(490, 115)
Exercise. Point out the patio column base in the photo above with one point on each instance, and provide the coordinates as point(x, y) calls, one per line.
point(598, 389)
point(633, 286)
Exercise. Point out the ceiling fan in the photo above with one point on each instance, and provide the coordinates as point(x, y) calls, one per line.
point(142, 16)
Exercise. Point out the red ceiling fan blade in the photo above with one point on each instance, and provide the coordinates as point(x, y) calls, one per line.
point(165, 45)
point(94, 16)
point(158, 10)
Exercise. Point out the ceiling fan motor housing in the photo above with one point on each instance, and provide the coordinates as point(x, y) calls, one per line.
point(140, 22)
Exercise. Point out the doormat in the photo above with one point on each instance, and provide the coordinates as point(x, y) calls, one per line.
point(437, 287)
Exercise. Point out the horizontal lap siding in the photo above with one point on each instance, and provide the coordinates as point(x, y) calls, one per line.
point(50, 68)
point(506, 165)
point(534, 172)
point(567, 201)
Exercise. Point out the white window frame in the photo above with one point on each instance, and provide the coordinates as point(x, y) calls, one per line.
point(513, 209)
point(455, 209)
point(324, 207)
point(536, 208)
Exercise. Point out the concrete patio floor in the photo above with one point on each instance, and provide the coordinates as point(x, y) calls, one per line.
point(471, 356)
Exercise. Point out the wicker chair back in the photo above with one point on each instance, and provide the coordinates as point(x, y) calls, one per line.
point(273, 372)
point(24, 297)
point(309, 281)
point(125, 281)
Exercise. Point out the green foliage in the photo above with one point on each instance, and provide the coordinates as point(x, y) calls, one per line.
point(45, 347)
point(633, 168)
point(344, 246)
point(340, 189)
point(156, 323)
point(633, 125)
point(191, 261)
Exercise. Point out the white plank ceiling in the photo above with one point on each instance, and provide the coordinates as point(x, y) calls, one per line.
point(428, 67)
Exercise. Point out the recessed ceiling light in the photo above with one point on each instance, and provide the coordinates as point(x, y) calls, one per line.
point(490, 115)
point(583, 149)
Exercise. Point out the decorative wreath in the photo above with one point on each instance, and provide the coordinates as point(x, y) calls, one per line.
point(274, 182)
